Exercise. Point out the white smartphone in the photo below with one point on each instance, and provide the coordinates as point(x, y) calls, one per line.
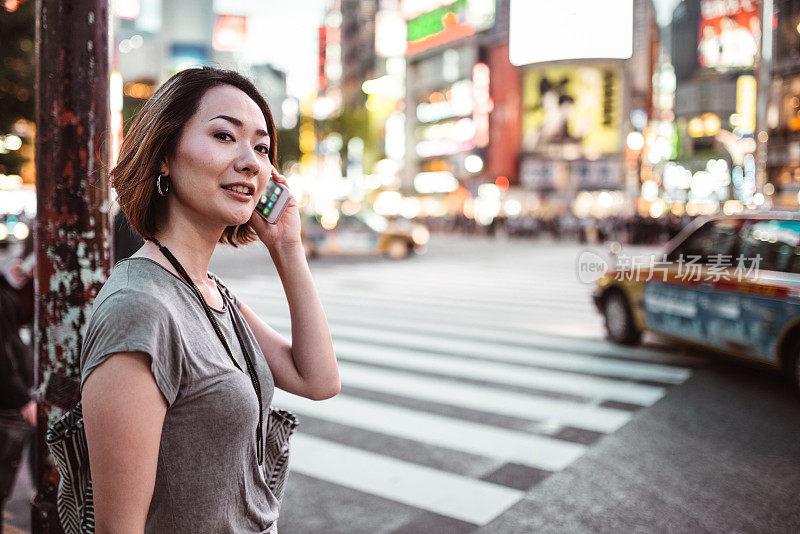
point(273, 202)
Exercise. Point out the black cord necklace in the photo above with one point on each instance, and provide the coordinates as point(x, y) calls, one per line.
point(250, 367)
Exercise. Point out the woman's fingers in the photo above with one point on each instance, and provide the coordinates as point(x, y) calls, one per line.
point(277, 176)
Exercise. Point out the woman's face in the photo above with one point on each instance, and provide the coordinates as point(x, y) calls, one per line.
point(224, 145)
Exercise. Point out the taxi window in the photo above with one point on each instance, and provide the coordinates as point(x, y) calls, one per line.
point(777, 243)
point(710, 240)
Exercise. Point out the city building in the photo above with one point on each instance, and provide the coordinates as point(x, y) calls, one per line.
point(586, 103)
point(448, 97)
point(783, 116)
point(271, 82)
point(358, 49)
point(715, 52)
point(156, 38)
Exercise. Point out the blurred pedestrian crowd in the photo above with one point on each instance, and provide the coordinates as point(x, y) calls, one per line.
point(637, 230)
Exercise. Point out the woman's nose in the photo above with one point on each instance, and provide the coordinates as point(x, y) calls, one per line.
point(247, 162)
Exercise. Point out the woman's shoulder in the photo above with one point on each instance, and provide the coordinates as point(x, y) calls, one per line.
point(137, 284)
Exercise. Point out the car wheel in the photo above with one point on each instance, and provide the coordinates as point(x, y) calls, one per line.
point(397, 249)
point(619, 319)
point(793, 365)
point(796, 374)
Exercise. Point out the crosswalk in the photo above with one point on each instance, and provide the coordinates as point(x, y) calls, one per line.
point(467, 362)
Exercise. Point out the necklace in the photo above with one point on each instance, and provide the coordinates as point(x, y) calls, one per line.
point(250, 367)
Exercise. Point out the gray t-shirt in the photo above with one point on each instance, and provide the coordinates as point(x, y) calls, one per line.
point(208, 478)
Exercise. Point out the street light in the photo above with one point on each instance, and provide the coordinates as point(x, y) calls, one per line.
point(473, 163)
point(635, 141)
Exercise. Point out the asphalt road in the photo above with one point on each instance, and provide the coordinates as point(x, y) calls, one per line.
point(479, 396)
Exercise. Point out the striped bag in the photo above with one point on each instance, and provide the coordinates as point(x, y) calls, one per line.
point(66, 440)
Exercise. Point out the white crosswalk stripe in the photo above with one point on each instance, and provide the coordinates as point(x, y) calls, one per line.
point(544, 379)
point(533, 318)
point(459, 326)
point(434, 354)
point(541, 452)
point(457, 496)
point(509, 354)
point(495, 400)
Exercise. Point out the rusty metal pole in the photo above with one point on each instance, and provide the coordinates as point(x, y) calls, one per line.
point(72, 140)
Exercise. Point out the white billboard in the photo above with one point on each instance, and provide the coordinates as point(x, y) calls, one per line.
point(550, 30)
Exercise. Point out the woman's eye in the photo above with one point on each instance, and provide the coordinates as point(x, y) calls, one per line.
point(266, 149)
point(221, 136)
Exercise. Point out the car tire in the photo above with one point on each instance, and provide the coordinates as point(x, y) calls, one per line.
point(397, 249)
point(792, 365)
point(619, 323)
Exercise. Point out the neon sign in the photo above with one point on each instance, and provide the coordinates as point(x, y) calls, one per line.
point(447, 23)
point(482, 103)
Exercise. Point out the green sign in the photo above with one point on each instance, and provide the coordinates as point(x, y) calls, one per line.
point(433, 22)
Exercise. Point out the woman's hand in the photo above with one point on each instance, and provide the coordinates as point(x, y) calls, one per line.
point(29, 412)
point(285, 232)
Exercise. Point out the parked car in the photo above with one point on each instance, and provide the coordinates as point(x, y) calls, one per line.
point(731, 284)
point(365, 233)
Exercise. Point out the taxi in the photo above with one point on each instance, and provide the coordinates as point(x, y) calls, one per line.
point(362, 234)
point(730, 284)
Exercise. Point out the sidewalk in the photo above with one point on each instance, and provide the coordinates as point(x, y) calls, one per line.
point(17, 513)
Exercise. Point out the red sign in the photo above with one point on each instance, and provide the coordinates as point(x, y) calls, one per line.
point(230, 32)
point(322, 80)
point(483, 104)
point(730, 33)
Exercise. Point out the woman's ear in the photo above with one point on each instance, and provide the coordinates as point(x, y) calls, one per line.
point(163, 169)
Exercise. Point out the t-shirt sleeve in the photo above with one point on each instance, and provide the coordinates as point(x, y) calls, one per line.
point(133, 321)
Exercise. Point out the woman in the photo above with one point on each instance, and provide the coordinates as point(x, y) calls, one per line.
point(169, 418)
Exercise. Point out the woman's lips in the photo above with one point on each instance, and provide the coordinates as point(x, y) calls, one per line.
point(239, 196)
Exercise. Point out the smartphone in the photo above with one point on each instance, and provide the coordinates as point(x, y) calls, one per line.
point(273, 202)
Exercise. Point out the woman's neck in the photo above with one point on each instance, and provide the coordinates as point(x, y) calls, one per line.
point(191, 245)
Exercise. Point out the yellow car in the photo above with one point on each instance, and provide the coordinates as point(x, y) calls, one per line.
point(730, 284)
point(365, 233)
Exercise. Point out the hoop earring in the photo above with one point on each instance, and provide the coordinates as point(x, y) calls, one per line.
point(162, 189)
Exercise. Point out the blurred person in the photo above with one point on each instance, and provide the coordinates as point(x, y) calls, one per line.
point(17, 408)
point(557, 108)
point(17, 277)
point(169, 418)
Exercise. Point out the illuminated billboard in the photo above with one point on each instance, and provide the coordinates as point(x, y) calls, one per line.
point(730, 31)
point(550, 30)
point(126, 9)
point(230, 33)
point(572, 112)
point(446, 23)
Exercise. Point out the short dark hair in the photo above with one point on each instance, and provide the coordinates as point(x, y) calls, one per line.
point(154, 135)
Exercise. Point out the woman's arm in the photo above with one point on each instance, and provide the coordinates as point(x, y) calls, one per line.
point(123, 413)
point(306, 366)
